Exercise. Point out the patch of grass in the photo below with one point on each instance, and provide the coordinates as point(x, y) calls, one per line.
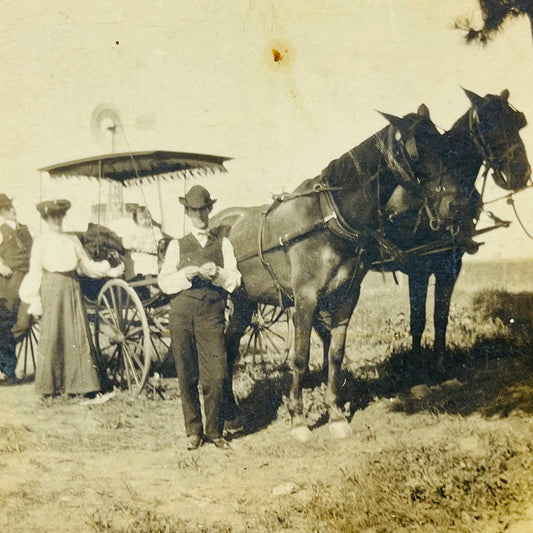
point(271, 520)
point(188, 461)
point(428, 488)
point(143, 521)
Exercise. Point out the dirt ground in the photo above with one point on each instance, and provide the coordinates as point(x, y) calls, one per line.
point(86, 468)
point(454, 455)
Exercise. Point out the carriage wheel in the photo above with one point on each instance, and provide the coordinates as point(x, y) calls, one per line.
point(27, 346)
point(268, 339)
point(122, 336)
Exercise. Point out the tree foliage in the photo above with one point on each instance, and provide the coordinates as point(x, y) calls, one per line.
point(495, 13)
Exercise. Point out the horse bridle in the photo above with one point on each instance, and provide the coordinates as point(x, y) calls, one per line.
point(491, 160)
point(408, 151)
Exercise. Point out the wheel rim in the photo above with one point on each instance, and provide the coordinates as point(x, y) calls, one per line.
point(122, 336)
point(267, 340)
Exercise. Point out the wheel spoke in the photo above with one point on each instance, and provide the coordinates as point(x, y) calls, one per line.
point(268, 338)
point(250, 339)
point(131, 370)
point(110, 310)
point(126, 306)
point(130, 321)
point(272, 332)
point(116, 310)
point(111, 324)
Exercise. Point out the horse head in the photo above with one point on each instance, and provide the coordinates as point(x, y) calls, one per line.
point(420, 160)
point(494, 127)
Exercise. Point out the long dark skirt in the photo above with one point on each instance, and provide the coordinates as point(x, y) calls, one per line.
point(66, 361)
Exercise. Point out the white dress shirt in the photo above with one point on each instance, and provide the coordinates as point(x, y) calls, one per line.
point(171, 280)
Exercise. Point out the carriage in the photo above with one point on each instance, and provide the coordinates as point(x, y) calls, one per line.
point(128, 316)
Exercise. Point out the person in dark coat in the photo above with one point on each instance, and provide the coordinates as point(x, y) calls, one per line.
point(199, 271)
point(15, 248)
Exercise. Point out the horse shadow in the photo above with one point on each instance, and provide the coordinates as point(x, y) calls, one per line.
point(493, 377)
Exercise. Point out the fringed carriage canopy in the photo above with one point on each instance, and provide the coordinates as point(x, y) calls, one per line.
point(133, 167)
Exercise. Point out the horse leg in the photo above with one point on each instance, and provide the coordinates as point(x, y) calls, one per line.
point(305, 301)
point(322, 325)
point(338, 425)
point(445, 279)
point(239, 321)
point(418, 290)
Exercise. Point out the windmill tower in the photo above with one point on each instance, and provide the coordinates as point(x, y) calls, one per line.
point(104, 125)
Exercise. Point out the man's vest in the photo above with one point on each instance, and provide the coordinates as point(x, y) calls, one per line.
point(192, 254)
point(16, 247)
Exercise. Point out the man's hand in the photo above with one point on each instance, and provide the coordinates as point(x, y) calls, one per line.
point(191, 272)
point(208, 271)
point(5, 271)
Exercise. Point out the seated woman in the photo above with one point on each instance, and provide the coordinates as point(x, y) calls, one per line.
point(140, 236)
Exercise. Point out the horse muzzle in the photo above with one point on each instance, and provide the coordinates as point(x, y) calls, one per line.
point(450, 210)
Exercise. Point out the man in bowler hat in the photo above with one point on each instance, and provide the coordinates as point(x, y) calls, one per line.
point(199, 271)
point(15, 247)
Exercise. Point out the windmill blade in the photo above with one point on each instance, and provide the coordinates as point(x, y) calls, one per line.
point(105, 124)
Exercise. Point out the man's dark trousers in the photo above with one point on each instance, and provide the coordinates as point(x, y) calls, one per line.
point(197, 334)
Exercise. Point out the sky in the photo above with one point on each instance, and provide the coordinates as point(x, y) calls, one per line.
point(200, 77)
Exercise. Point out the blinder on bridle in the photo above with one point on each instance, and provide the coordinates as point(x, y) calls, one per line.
point(429, 201)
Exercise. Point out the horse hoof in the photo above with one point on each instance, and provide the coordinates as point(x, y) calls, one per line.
point(340, 430)
point(302, 434)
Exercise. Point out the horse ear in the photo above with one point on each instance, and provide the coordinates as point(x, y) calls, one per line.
point(474, 98)
point(394, 120)
point(505, 95)
point(423, 111)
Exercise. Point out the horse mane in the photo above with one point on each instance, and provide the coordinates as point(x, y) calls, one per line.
point(349, 170)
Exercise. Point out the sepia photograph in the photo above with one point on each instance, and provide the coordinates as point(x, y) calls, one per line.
point(266, 266)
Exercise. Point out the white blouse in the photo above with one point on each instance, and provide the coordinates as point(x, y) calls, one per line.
point(142, 243)
point(55, 251)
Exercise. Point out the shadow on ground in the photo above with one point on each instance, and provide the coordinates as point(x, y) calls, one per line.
point(493, 378)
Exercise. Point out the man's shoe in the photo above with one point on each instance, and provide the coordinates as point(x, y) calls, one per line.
point(194, 442)
point(222, 443)
point(11, 380)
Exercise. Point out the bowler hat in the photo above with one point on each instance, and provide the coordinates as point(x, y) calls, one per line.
point(5, 201)
point(54, 208)
point(197, 197)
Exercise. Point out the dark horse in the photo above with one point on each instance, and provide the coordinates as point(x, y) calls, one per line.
point(488, 133)
point(307, 249)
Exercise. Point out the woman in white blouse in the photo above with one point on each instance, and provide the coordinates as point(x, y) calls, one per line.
point(66, 361)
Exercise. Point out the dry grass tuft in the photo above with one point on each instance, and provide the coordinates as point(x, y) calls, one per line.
point(14, 439)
